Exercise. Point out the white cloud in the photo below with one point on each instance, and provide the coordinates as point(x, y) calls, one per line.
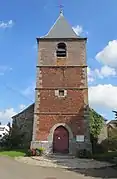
point(103, 72)
point(108, 55)
point(5, 25)
point(5, 115)
point(90, 75)
point(104, 96)
point(78, 29)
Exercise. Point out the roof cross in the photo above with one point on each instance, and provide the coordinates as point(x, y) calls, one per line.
point(61, 7)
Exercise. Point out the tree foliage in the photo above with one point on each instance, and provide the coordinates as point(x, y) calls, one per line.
point(9, 125)
point(13, 139)
point(96, 123)
point(115, 114)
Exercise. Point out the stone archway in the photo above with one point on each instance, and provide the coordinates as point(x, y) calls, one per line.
point(61, 140)
point(51, 134)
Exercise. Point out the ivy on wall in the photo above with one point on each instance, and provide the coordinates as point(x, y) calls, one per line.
point(96, 123)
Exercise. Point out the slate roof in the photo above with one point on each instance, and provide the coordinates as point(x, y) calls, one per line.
point(32, 105)
point(61, 29)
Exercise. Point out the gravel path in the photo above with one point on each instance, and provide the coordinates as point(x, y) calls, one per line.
point(70, 163)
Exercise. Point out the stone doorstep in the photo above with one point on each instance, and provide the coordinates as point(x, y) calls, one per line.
point(59, 156)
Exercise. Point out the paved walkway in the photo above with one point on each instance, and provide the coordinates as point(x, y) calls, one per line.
point(66, 162)
point(11, 169)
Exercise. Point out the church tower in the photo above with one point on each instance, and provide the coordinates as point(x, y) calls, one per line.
point(61, 117)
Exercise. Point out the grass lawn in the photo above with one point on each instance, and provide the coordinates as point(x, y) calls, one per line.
point(109, 156)
point(13, 153)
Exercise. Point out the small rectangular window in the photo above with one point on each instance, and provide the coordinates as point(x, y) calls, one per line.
point(61, 93)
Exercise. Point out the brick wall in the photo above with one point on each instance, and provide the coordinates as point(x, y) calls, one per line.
point(76, 123)
point(62, 77)
point(76, 53)
point(72, 103)
point(68, 73)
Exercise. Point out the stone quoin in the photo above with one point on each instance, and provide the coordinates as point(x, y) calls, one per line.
point(61, 114)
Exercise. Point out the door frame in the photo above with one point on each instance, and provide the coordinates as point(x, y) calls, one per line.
point(51, 134)
point(67, 140)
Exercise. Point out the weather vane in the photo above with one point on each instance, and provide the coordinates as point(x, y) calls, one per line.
point(61, 7)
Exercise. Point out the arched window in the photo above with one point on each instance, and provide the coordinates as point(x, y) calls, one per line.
point(61, 50)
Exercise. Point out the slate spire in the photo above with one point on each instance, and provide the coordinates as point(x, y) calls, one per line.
point(61, 29)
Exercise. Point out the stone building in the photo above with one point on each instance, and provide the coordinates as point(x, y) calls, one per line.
point(23, 122)
point(112, 124)
point(112, 128)
point(61, 114)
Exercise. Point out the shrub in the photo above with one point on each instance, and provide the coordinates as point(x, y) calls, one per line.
point(39, 151)
point(108, 156)
point(83, 153)
point(100, 148)
point(31, 152)
point(110, 144)
point(105, 146)
point(35, 152)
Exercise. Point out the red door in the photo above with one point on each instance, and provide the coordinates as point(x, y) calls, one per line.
point(61, 140)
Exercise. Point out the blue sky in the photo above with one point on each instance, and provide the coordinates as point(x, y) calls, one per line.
point(22, 21)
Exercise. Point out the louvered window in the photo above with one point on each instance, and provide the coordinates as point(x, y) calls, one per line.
point(61, 50)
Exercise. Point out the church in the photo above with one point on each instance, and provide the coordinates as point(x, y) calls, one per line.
point(61, 112)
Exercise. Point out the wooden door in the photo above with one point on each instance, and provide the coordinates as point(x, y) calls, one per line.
point(61, 140)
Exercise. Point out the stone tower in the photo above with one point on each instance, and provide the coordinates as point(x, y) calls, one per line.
point(61, 117)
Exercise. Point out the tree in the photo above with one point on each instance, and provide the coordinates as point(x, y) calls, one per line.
point(9, 125)
point(115, 114)
point(13, 140)
point(16, 137)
